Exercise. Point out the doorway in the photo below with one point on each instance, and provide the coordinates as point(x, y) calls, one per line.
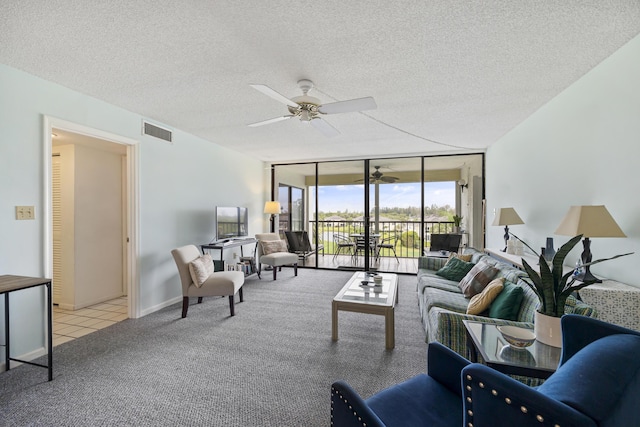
point(100, 222)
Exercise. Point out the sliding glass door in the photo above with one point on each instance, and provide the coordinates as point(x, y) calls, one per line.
point(380, 214)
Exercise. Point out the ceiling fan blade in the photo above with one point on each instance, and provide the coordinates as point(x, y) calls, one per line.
point(266, 122)
point(324, 127)
point(275, 95)
point(359, 104)
point(389, 179)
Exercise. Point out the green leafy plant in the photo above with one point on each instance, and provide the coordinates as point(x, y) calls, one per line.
point(552, 284)
point(457, 220)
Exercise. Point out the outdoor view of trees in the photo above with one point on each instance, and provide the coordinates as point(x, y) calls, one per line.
point(411, 213)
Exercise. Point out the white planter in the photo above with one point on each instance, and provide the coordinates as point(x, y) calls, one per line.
point(547, 329)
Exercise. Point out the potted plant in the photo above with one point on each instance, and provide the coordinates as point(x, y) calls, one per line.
point(456, 223)
point(553, 285)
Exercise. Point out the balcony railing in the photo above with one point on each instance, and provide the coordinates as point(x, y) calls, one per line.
point(404, 234)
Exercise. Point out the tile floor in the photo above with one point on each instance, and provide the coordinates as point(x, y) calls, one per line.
point(72, 324)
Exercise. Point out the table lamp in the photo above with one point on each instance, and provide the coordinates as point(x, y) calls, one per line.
point(590, 221)
point(272, 208)
point(507, 217)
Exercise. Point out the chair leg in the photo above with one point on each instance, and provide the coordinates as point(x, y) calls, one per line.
point(241, 298)
point(275, 269)
point(185, 306)
point(231, 305)
point(295, 269)
point(259, 268)
point(199, 300)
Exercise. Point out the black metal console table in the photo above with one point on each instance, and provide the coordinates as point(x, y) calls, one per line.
point(234, 243)
point(8, 284)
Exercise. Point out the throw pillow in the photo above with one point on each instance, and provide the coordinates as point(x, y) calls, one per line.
point(477, 279)
point(200, 269)
point(465, 258)
point(273, 246)
point(507, 303)
point(479, 303)
point(455, 269)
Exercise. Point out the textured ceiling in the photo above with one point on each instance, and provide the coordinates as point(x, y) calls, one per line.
point(447, 76)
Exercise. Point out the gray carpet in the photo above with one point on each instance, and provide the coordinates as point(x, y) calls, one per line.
point(270, 365)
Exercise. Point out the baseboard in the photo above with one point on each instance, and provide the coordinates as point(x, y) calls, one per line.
point(27, 356)
point(160, 306)
point(89, 303)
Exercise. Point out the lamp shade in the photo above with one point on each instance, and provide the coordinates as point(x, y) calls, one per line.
point(590, 221)
point(507, 216)
point(272, 208)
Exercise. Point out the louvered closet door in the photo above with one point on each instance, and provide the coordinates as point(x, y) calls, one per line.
point(57, 228)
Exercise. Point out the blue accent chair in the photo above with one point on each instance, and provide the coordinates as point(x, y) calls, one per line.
point(597, 384)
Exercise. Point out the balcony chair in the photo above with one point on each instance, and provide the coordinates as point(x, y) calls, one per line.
point(204, 282)
point(445, 242)
point(596, 384)
point(273, 251)
point(360, 245)
point(342, 242)
point(386, 244)
point(299, 244)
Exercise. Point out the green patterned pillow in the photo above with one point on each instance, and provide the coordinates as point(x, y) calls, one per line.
point(507, 303)
point(455, 269)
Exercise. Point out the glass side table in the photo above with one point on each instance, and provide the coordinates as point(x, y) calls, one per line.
point(537, 361)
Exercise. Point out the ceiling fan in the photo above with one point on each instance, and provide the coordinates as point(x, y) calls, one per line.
point(377, 177)
point(308, 109)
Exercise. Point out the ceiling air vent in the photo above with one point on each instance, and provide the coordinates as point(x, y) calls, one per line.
point(156, 131)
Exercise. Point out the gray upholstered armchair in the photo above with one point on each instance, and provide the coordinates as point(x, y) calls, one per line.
point(273, 251)
point(204, 282)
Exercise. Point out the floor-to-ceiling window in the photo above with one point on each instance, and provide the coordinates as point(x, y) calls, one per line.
point(380, 213)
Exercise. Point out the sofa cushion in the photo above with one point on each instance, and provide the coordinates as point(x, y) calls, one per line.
point(463, 257)
point(454, 301)
point(200, 269)
point(477, 279)
point(411, 403)
point(507, 303)
point(431, 280)
point(455, 269)
point(480, 302)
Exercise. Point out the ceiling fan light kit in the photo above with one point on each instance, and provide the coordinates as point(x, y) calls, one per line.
point(308, 108)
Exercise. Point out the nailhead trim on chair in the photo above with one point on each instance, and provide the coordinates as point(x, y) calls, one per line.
point(507, 400)
point(334, 391)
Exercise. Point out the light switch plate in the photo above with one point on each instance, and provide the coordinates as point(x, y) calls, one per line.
point(25, 212)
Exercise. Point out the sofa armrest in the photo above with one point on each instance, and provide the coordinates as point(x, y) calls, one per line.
point(348, 409)
point(492, 398)
point(451, 330)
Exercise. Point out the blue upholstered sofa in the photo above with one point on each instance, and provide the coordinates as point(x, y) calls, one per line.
point(442, 305)
point(597, 384)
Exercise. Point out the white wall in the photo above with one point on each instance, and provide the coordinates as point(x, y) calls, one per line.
point(582, 148)
point(180, 185)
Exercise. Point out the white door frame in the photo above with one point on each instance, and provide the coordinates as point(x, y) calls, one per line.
point(132, 195)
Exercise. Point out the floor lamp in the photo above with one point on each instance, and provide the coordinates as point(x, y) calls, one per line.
point(273, 209)
point(590, 221)
point(507, 217)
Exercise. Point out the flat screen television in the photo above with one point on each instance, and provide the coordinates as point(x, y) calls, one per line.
point(231, 222)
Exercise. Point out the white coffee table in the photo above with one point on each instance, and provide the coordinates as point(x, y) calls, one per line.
point(369, 300)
